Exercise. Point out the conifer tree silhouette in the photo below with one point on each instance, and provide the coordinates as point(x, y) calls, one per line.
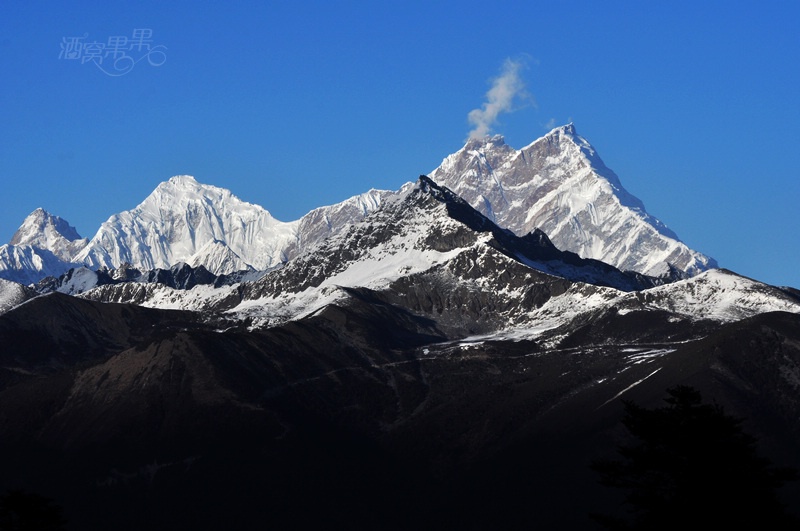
point(692, 466)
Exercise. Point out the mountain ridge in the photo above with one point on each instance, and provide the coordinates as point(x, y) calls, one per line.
point(557, 184)
point(421, 250)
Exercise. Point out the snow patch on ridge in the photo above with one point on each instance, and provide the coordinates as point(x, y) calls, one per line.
point(719, 295)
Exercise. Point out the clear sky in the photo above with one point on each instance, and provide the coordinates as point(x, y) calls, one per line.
point(695, 105)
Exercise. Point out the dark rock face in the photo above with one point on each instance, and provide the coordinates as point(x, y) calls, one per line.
point(181, 276)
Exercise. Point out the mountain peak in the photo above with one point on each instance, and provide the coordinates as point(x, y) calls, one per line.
point(183, 192)
point(43, 245)
point(183, 180)
point(183, 184)
point(41, 222)
point(559, 184)
point(485, 142)
point(566, 136)
point(43, 230)
point(567, 129)
point(428, 185)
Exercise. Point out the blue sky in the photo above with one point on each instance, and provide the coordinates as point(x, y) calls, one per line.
point(695, 105)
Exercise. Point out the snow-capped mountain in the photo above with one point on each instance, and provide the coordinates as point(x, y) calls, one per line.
point(42, 246)
point(43, 230)
point(185, 221)
point(560, 185)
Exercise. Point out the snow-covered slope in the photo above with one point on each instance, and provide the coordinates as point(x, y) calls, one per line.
point(12, 294)
point(180, 219)
point(27, 265)
point(325, 221)
point(217, 256)
point(560, 185)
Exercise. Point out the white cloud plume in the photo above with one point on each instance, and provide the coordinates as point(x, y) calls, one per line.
point(507, 88)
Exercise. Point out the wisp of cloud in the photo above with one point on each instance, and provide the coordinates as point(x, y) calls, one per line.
point(506, 88)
